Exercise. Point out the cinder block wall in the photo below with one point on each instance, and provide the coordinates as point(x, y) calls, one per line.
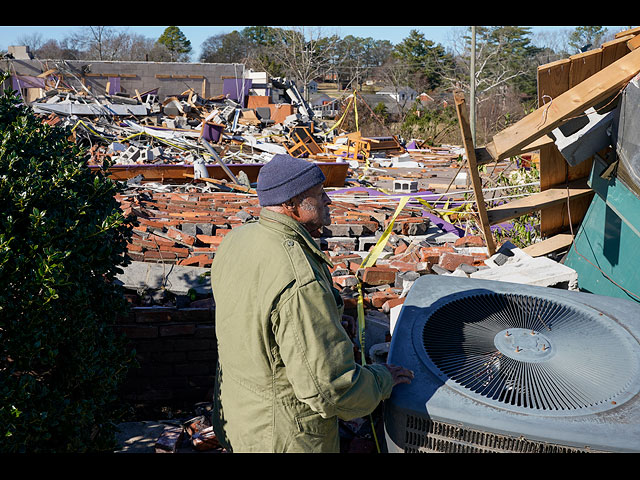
point(142, 76)
point(177, 355)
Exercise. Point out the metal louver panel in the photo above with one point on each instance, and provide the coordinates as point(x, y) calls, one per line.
point(427, 436)
point(520, 352)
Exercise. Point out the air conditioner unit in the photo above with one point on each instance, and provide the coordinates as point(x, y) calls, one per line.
point(503, 367)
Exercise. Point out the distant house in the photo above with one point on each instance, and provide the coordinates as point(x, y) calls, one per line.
point(402, 95)
point(323, 105)
point(312, 87)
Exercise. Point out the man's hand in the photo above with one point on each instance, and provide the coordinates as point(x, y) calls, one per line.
point(400, 374)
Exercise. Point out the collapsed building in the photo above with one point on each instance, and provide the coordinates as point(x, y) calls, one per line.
point(189, 140)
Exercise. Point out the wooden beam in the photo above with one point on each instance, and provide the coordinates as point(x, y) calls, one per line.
point(120, 75)
point(573, 102)
point(472, 164)
point(634, 43)
point(537, 201)
point(231, 185)
point(483, 157)
point(550, 245)
point(632, 31)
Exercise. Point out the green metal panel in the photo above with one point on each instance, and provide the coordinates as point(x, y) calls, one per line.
point(608, 241)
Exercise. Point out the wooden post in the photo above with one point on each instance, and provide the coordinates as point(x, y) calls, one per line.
point(472, 164)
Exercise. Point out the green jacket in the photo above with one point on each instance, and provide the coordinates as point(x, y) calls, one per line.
point(286, 370)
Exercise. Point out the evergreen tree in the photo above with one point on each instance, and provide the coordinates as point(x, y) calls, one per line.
point(512, 55)
point(586, 38)
point(423, 57)
point(176, 42)
point(63, 239)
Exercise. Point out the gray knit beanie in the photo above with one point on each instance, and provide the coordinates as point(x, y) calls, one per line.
point(284, 177)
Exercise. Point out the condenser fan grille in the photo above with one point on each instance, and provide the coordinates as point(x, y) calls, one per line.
point(531, 353)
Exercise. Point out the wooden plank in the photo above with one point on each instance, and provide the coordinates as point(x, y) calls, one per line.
point(472, 165)
point(483, 157)
point(121, 75)
point(634, 43)
point(335, 172)
point(231, 185)
point(582, 69)
point(631, 31)
point(615, 49)
point(553, 80)
point(550, 245)
point(532, 203)
point(573, 102)
point(584, 65)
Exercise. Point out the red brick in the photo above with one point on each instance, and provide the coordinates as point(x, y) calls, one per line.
point(450, 261)
point(159, 255)
point(338, 266)
point(470, 241)
point(158, 223)
point(432, 254)
point(199, 260)
point(410, 266)
point(180, 236)
point(132, 247)
point(378, 299)
point(379, 275)
point(400, 249)
point(156, 241)
point(392, 302)
point(210, 239)
point(180, 252)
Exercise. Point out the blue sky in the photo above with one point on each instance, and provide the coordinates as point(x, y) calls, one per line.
point(198, 34)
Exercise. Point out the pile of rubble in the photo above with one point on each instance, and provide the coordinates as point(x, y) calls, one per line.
point(180, 228)
point(144, 130)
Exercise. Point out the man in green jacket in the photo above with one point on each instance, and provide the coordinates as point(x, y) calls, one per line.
point(286, 369)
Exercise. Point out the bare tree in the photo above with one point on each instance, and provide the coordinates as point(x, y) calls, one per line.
point(304, 52)
point(34, 41)
point(101, 43)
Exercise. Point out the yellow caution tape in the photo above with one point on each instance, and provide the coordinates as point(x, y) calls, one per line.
point(355, 109)
point(370, 260)
point(374, 253)
point(366, 167)
point(346, 110)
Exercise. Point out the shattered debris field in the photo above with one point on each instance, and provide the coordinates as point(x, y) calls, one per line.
point(189, 160)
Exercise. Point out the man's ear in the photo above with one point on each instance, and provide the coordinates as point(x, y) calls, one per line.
point(289, 205)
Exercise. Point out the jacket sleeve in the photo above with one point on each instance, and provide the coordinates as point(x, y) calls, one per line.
point(318, 355)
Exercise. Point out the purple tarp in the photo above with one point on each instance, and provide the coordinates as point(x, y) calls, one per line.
point(237, 89)
point(439, 222)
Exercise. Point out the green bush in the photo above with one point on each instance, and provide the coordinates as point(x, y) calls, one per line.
point(62, 240)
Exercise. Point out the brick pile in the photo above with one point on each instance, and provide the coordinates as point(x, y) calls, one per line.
point(186, 227)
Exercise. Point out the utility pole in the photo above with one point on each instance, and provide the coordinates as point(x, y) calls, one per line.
point(472, 81)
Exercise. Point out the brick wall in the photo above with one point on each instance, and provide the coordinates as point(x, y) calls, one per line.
point(176, 352)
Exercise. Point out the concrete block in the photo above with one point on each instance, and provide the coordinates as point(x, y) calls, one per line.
point(377, 325)
point(541, 271)
point(335, 230)
point(405, 186)
point(146, 155)
point(581, 137)
point(132, 153)
point(177, 279)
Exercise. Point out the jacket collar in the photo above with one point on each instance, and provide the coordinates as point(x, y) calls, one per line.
point(290, 227)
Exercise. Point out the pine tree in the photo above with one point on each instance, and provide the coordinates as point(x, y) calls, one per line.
point(176, 42)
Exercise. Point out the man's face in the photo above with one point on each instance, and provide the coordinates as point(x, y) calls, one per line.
point(313, 209)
